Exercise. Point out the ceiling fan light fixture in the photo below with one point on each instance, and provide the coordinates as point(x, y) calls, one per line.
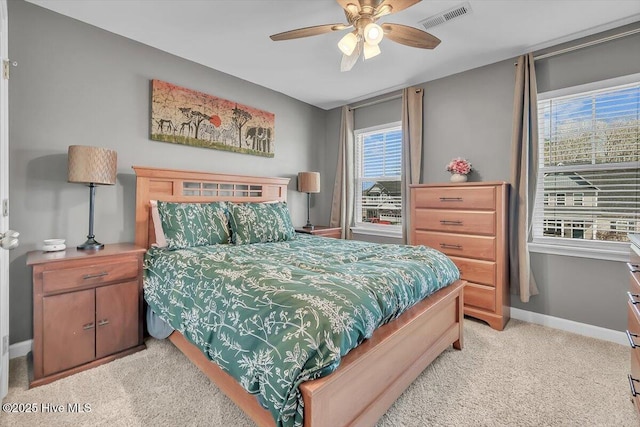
point(370, 50)
point(348, 43)
point(373, 33)
point(352, 8)
point(384, 10)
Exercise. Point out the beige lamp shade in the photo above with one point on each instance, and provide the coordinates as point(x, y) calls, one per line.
point(309, 182)
point(92, 165)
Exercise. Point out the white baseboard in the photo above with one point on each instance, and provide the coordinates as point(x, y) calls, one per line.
point(20, 349)
point(617, 337)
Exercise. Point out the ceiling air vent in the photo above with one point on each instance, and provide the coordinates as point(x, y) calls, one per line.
point(446, 16)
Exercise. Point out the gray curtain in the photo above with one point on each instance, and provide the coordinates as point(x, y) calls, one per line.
point(411, 149)
point(343, 188)
point(524, 177)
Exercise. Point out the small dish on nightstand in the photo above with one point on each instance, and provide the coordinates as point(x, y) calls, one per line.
point(53, 245)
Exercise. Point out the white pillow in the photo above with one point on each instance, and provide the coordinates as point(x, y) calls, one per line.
point(161, 241)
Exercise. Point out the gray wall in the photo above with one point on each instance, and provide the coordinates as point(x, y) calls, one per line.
point(77, 84)
point(469, 115)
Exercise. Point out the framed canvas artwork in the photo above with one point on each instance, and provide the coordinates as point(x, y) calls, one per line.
point(184, 116)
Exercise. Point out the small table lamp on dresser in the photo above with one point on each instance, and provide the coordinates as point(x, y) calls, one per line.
point(92, 166)
point(309, 182)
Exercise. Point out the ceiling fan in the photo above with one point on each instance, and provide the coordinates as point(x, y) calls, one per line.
point(367, 34)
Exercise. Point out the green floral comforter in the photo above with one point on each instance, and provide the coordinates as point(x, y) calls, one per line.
point(276, 314)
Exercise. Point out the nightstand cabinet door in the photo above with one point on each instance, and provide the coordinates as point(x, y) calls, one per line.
point(68, 330)
point(116, 318)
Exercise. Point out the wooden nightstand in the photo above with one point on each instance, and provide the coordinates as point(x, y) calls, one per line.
point(322, 230)
point(87, 309)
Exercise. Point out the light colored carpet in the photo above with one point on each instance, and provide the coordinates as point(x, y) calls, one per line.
point(527, 375)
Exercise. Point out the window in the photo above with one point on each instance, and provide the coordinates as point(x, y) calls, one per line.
point(588, 193)
point(378, 195)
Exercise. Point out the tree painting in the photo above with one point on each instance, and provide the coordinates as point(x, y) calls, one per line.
point(184, 116)
point(240, 118)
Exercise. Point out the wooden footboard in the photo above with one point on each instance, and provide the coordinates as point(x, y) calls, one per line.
point(372, 376)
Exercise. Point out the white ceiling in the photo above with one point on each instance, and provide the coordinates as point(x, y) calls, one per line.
point(233, 37)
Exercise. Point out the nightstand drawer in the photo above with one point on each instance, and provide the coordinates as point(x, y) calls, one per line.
point(474, 222)
point(94, 274)
point(455, 198)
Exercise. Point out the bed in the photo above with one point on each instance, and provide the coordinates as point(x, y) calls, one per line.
point(371, 376)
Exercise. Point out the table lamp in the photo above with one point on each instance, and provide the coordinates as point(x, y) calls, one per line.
point(309, 182)
point(92, 166)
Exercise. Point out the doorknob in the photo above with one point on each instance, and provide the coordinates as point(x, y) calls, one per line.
point(9, 239)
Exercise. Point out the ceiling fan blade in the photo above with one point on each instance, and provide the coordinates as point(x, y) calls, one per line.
point(410, 36)
point(397, 5)
point(348, 61)
point(308, 31)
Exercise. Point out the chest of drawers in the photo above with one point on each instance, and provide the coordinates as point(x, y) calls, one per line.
point(468, 222)
point(87, 309)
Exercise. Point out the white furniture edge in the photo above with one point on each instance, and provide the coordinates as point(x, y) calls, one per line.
point(566, 325)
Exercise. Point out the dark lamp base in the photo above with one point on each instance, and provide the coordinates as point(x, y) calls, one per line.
point(90, 245)
point(309, 226)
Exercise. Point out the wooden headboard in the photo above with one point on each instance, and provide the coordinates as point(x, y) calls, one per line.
point(171, 185)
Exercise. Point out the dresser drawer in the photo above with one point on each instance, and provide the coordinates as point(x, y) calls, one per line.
point(93, 274)
point(473, 270)
point(634, 379)
point(477, 222)
point(479, 247)
point(480, 296)
point(455, 198)
point(634, 278)
point(633, 322)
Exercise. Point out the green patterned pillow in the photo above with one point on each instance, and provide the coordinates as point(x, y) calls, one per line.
point(260, 222)
point(194, 224)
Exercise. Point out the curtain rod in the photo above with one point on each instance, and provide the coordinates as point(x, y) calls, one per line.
point(587, 44)
point(377, 101)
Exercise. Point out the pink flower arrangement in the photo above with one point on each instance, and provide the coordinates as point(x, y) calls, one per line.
point(460, 166)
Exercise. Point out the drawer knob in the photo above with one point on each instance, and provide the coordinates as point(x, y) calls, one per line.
point(446, 222)
point(630, 337)
point(632, 298)
point(450, 199)
point(103, 322)
point(88, 326)
point(448, 246)
point(632, 386)
point(633, 268)
point(93, 276)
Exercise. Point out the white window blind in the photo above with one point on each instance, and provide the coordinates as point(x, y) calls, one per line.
point(378, 195)
point(588, 190)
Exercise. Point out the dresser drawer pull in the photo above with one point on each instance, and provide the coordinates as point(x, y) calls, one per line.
point(448, 246)
point(630, 336)
point(88, 326)
point(633, 268)
point(103, 322)
point(450, 199)
point(93, 276)
point(632, 298)
point(445, 222)
point(632, 386)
